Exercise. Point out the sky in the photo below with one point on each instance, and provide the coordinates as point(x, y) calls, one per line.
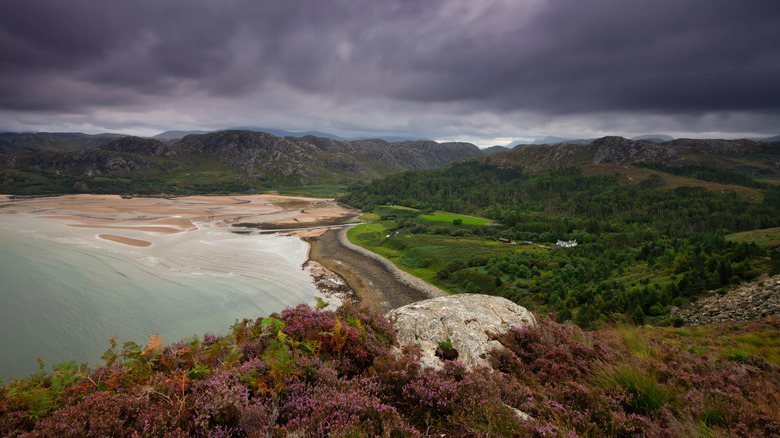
point(487, 71)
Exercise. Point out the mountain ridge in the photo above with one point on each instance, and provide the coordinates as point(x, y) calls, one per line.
point(620, 150)
point(240, 160)
point(245, 159)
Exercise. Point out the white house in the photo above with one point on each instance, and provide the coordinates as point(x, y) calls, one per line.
point(564, 244)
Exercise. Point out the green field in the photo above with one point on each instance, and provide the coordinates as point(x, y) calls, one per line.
point(449, 217)
point(425, 255)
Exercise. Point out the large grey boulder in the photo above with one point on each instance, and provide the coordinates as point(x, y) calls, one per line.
point(469, 322)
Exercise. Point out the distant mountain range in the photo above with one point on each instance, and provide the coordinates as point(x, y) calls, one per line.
point(657, 138)
point(175, 135)
point(240, 160)
point(232, 160)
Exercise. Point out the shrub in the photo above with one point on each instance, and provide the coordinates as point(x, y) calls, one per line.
point(646, 395)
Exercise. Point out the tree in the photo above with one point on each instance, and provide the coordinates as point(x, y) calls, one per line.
point(638, 315)
point(584, 316)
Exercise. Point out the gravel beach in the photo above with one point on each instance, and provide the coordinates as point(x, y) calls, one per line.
point(377, 282)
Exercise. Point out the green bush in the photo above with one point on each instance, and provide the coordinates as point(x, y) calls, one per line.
point(646, 395)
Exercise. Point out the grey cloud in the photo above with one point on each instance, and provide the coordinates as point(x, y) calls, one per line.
point(554, 57)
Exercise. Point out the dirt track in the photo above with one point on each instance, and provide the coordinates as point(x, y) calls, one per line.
point(376, 281)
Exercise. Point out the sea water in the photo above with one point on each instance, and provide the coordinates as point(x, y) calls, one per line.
point(64, 292)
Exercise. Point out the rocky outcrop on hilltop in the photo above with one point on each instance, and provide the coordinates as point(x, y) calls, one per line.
point(463, 326)
point(619, 150)
point(749, 301)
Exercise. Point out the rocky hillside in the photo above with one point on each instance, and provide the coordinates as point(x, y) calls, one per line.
point(240, 160)
point(747, 302)
point(257, 154)
point(726, 154)
point(246, 158)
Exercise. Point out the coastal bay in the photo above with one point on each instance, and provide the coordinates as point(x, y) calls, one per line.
point(78, 270)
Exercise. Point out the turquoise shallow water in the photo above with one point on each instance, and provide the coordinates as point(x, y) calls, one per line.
point(64, 293)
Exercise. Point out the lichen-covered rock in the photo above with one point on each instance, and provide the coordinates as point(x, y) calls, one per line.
point(469, 322)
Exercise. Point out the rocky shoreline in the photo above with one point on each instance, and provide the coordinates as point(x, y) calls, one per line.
point(748, 301)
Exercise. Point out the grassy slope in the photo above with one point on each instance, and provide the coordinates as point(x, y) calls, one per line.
point(766, 238)
point(423, 255)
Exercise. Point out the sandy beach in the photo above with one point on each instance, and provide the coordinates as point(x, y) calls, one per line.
point(131, 219)
point(338, 268)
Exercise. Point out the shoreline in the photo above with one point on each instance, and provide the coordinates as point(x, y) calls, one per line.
point(337, 268)
point(376, 281)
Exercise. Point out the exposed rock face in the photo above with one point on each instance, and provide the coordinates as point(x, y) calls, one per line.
point(749, 301)
point(469, 322)
point(621, 150)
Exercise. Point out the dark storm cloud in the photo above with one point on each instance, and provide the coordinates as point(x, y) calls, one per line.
point(613, 56)
point(557, 57)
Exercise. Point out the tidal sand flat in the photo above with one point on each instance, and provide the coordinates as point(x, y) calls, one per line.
point(78, 270)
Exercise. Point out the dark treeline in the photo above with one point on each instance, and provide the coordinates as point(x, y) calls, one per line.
point(643, 249)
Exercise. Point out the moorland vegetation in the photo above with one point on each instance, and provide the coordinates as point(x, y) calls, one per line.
point(314, 372)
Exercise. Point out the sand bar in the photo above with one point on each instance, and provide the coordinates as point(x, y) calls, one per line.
point(143, 222)
point(125, 240)
point(152, 216)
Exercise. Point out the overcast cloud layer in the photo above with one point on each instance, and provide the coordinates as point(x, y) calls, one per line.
point(483, 71)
